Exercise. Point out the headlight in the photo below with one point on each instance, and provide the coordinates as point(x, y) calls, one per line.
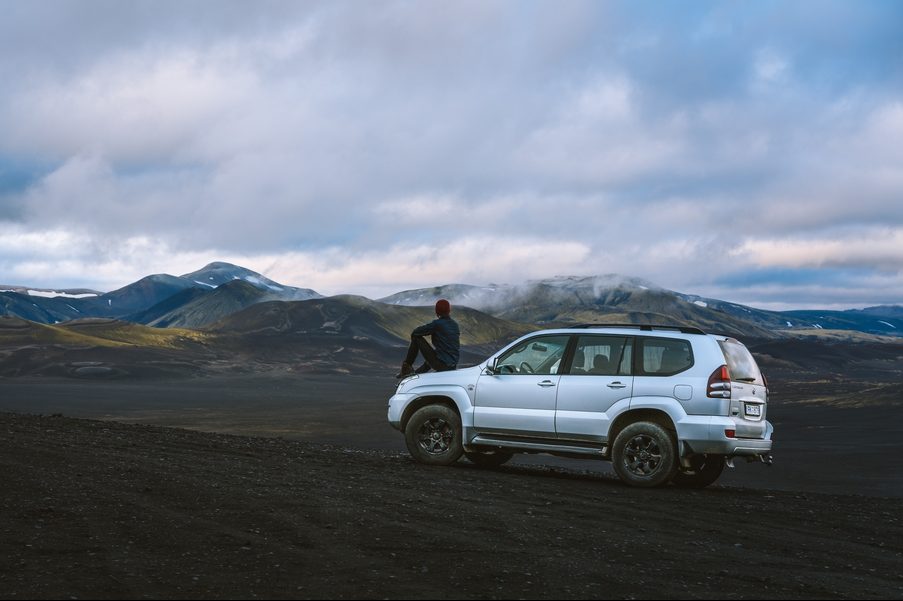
point(405, 381)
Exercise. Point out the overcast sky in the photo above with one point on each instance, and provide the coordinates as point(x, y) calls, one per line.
point(749, 151)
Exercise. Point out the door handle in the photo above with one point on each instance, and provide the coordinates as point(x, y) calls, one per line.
point(617, 385)
point(546, 383)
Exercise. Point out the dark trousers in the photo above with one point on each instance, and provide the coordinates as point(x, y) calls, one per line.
point(420, 345)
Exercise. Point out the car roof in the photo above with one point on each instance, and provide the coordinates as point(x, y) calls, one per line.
point(628, 330)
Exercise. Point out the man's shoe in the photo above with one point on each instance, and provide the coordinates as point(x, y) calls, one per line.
point(406, 370)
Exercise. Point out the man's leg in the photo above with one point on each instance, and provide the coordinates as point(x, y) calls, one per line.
point(419, 345)
point(407, 366)
point(429, 356)
point(413, 350)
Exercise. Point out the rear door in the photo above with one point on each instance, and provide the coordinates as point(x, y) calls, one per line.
point(599, 376)
point(660, 367)
point(519, 400)
point(749, 395)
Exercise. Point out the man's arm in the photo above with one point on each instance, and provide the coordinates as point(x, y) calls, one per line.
point(424, 330)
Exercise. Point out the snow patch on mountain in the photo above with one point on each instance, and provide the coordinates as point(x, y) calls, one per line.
point(54, 294)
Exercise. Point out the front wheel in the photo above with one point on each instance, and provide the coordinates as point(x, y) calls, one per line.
point(644, 454)
point(703, 470)
point(433, 435)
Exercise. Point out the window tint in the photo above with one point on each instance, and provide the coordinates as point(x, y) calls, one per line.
point(740, 362)
point(540, 355)
point(602, 356)
point(664, 356)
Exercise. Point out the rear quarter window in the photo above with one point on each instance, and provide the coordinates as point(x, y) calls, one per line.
point(663, 356)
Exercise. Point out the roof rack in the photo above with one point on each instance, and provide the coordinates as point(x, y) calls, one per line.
point(646, 327)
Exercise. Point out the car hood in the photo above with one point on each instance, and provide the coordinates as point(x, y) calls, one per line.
point(457, 377)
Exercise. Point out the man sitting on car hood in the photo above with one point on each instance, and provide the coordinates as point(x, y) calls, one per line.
point(445, 336)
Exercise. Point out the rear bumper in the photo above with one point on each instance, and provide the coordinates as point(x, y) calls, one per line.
point(705, 434)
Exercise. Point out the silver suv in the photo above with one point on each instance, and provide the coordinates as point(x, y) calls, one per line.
point(663, 404)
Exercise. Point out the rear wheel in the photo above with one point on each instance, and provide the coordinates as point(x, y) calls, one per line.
point(644, 454)
point(703, 470)
point(489, 459)
point(433, 435)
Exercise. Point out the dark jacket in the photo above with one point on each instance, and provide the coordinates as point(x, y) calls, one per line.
point(445, 336)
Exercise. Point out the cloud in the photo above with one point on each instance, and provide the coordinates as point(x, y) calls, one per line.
point(770, 67)
point(873, 248)
point(68, 260)
point(679, 144)
point(403, 266)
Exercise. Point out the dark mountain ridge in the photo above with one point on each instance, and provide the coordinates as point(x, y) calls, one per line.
point(198, 307)
point(218, 290)
point(145, 299)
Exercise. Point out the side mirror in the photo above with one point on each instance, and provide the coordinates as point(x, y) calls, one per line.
point(492, 369)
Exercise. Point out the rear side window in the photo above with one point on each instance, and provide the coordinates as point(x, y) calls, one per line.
point(602, 356)
point(740, 362)
point(663, 356)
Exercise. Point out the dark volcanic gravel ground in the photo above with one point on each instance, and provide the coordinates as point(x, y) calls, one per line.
point(107, 510)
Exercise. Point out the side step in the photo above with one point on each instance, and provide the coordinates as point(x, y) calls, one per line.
point(539, 447)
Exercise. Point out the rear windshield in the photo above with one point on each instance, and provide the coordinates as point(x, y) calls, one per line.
point(740, 362)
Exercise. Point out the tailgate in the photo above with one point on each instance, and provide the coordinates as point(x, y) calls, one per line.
point(749, 405)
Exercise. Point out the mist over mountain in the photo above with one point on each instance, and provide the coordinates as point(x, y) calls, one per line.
point(614, 298)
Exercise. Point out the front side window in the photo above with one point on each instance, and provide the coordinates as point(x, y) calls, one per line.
point(664, 356)
point(602, 356)
point(540, 355)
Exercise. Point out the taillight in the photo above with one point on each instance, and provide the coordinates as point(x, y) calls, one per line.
point(730, 433)
point(719, 386)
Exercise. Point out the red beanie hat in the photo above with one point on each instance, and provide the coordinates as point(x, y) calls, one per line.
point(443, 307)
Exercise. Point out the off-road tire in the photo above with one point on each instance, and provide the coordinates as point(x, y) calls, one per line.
point(433, 435)
point(645, 455)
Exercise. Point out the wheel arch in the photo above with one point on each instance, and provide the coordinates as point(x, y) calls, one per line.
point(432, 398)
point(642, 414)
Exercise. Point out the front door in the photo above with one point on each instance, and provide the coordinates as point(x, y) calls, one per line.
point(520, 398)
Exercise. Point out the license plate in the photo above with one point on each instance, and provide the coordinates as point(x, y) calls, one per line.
point(753, 410)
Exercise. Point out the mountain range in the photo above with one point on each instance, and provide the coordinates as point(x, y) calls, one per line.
point(191, 300)
point(219, 295)
point(618, 299)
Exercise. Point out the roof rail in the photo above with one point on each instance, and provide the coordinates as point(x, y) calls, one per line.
point(646, 327)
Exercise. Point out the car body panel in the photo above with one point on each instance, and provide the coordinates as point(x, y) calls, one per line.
point(584, 405)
